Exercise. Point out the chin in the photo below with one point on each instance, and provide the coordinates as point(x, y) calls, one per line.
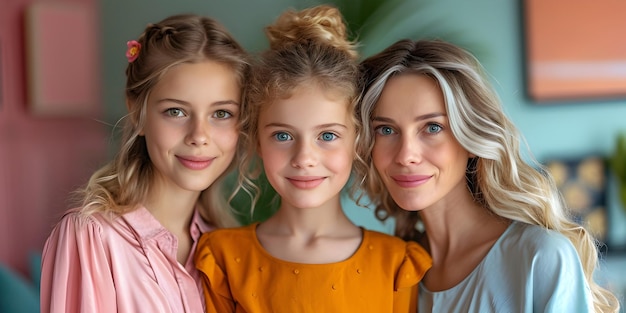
point(198, 186)
point(306, 204)
point(410, 204)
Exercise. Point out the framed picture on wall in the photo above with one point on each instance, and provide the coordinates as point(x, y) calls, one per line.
point(575, 50)
point(62, 59)
point(583, 184)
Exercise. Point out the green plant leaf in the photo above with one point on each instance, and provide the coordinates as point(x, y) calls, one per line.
point(377, 24)
point(622, 193)
point(618, 159)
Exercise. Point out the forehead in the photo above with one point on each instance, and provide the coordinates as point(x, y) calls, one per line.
point(312, 102)
point(207, 75)
point(410, 94)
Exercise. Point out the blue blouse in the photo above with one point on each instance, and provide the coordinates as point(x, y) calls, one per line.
point(528, 269)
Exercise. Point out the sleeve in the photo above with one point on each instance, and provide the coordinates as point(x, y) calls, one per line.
point(416, 262)
point(559, 283)
point(214, 282)
point(75, 272)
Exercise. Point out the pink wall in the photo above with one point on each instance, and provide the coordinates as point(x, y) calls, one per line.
point(42, 159)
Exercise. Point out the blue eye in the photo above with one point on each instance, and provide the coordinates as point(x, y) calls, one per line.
point(433, 128)
point(384, 130)
point(328, 136)
point(282, 136)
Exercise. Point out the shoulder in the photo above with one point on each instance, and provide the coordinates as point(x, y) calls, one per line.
point(74, 220)
point(232, 232)
point(228, 237)
point(77, 231)
point(393, 243)
point(551, 266)
point(536, 240)
point(390, 243)
point(379, 244)
point(530, 249)
point(104, 227)
point(385, 240)
point(409, 258)
point(213, 246)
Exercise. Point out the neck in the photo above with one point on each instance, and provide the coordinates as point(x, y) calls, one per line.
point(172, 208)
point(453, 220)
point(309, 222)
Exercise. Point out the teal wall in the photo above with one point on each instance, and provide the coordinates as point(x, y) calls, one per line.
point(492, 29)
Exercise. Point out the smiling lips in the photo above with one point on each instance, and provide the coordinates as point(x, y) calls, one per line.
point(306, 182)
point(195, 163)
point(408, 181)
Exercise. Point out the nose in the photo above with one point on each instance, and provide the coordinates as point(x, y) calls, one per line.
point(305, 155)
point(198, 133)
point(408, 151)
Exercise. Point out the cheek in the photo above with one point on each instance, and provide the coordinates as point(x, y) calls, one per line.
point(267, 151)
point(227, 139)
point(380, 155)
point(272, 157)
point(342, 160)
point(447, 154)
point(452, 158)
point(158, 136)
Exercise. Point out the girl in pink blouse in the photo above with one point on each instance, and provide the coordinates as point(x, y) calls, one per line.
point(129, 246)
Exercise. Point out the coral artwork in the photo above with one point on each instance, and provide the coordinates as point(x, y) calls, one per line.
point(62, 59)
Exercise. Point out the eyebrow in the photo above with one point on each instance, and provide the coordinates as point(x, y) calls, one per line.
point(222, 102)
point(329, 125)
point(417, 119)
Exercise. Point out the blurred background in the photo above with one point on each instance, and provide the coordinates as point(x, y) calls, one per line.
point(62, 82)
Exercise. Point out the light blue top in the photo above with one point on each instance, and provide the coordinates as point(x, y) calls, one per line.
point(528, 269)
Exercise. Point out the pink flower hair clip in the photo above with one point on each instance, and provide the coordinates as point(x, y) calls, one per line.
point(133, 50)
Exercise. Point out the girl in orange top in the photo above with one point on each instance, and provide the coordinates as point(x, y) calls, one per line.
point(301, 123)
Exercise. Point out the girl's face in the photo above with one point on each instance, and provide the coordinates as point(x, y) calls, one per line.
point(191, 124)
point(415, 153)
point(307, 146)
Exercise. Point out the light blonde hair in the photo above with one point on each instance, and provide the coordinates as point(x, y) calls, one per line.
point(310, 46)
point(499, 178)
point(123, 184)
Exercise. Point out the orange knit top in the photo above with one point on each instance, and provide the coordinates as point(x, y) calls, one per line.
point(239, 275)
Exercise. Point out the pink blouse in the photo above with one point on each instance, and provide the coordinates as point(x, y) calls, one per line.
point(125, 264)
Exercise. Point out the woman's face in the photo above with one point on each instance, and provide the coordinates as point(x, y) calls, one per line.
point(415, 153)
point(191, 124)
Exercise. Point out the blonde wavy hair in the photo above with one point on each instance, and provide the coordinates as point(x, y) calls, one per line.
point(498, 177)
point(123, 184)
point(309, 46)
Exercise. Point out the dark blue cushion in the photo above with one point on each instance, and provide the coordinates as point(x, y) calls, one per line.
point(34, 263)
point(17, 295)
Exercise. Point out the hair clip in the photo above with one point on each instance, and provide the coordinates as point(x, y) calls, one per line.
point(133, 50)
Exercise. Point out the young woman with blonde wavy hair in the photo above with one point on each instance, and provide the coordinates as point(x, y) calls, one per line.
point(129, 245)
point(446, 164)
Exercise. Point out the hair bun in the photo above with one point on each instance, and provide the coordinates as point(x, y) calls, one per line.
point(323, 24)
